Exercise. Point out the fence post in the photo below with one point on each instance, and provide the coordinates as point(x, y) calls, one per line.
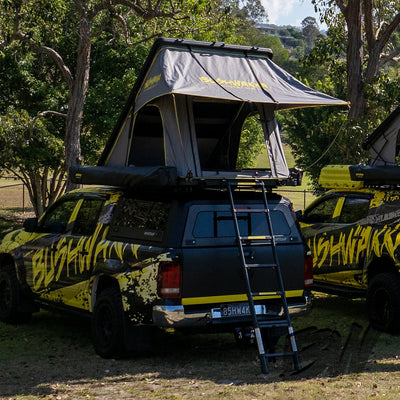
point(23, 198)
point(304, 198)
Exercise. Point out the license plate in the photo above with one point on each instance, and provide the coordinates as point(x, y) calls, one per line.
point(235, 310)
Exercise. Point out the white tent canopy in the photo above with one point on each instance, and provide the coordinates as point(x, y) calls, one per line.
point(189, 104)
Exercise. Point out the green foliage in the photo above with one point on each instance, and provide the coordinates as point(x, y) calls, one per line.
point(323, 136)
point(251, 143)
point(27, 144)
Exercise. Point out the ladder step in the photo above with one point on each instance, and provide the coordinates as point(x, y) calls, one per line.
point(251, 210)
point(266, 237)
point(289, 353)
point(269, 240)
point(272, 324)
point(261, 266)
point(257, 294)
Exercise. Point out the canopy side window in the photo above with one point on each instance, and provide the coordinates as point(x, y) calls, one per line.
point(147, 145)
point(323, 212)
point(354, 209)
point(218, 133)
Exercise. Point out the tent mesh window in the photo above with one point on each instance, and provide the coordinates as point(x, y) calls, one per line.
point(217, 134)
point(147, 147)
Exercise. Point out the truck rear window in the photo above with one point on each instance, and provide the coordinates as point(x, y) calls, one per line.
point(220, 224)
point(139, 219)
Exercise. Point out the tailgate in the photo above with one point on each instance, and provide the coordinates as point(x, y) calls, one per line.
point(212, 272)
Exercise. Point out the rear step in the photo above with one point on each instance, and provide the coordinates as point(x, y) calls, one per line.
point(243, 241)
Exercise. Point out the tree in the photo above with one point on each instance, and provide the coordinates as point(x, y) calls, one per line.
point(369, 27)
point(310, 31)
point(32, 153)
point(47, 28)
point(31, 142)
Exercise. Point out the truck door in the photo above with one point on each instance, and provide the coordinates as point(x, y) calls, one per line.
point(339, 242)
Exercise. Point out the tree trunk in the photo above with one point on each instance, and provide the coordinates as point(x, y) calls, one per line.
point(78, 92)
point(355, 85)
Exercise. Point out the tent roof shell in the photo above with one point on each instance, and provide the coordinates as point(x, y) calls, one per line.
point(175, 65)
point(382, 128)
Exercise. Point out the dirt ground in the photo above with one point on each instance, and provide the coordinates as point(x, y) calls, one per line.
point(52, 358)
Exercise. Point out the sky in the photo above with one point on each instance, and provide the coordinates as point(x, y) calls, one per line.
point(289, 12)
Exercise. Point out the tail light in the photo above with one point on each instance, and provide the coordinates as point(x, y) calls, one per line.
point(169, 279)
point(308, 271)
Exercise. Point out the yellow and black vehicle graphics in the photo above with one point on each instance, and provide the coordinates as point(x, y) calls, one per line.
point(138, 260)
point(353, 234)
point(62, 259)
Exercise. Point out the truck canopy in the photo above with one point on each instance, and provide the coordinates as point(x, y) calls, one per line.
point(189, 103)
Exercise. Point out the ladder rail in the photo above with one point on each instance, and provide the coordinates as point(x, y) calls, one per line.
point(257, 331)
point(243, 241)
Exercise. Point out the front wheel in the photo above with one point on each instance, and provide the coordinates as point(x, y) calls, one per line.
point(11, 299)
point(108, 325)
point(383, 302)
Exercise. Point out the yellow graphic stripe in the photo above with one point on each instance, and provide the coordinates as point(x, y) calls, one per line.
point(338, 207)
point(188, 301)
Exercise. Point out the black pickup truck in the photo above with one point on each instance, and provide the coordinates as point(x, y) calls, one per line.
point(138, 259)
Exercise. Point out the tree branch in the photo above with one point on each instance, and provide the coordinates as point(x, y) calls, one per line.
point(49, 112)
point(65, 71)
point(147, 12)
point(385, 33)
point(394, 55)
point(369, 24)
point(341, 6)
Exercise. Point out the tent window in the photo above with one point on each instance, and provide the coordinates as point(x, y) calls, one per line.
point(252, 148)
point(215, 133)
point(147, 147)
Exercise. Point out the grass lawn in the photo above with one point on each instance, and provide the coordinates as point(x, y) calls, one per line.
point(51, 357)
point(300, 196)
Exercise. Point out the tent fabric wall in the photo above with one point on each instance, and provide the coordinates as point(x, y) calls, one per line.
point(179, 73)
point(384, 142)
point(277, 159)
point(119, 154)
point(179, 136)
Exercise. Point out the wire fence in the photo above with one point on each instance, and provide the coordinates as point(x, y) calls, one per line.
point(15, 196)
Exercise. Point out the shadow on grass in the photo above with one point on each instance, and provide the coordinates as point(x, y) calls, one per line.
point(13, 218)
point(55, 350)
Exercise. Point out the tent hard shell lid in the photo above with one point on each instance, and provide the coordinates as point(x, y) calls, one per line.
point(189, 103)
point(384, 142)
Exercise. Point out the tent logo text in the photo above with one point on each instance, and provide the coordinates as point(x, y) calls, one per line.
point(233, 83)
point(151, 82)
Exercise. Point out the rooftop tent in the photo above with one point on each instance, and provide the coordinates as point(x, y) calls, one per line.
point(384, 142)
point(188, 106)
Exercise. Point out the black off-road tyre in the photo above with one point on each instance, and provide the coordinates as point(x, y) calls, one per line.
point(108, 324)
point(11, 298)
point(383, 302)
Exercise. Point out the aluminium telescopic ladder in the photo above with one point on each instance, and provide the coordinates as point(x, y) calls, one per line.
point(244, 241)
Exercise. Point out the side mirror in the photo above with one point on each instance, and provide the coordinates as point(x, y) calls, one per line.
point(31, 225)
point(299, 215)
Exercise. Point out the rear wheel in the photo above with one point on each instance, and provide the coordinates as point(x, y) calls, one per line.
point(11, 299)
point(108, 325)
point(383, 302)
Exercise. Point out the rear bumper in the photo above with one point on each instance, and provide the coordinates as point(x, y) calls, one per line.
point(176, 317)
